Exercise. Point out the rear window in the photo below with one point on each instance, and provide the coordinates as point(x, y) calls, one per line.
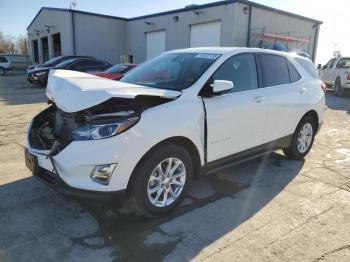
point(275, 70)
point(308, 66)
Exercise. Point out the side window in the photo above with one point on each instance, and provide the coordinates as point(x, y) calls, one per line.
point(293, 73)
point(275, 70)
point(330, 63)
point(344, 63)
point(241, 70)
point(3, 59)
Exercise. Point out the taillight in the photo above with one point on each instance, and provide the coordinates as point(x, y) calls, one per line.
point(324, 88)
point(348, 77)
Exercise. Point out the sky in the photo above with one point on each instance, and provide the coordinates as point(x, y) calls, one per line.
point(334, 34)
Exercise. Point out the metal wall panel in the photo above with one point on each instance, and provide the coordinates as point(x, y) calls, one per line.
point(60, 22)
point(282, 24)
point(178, 33)
point(101, 37)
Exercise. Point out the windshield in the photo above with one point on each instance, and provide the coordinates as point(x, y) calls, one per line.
point(53, 60)
point(118, 69)
point(64, 64)
point(174, 71)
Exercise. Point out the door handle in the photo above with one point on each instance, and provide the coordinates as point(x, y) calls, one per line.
point(259, 99)
point(301, 90)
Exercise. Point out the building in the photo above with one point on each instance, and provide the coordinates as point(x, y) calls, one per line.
point(55, 31)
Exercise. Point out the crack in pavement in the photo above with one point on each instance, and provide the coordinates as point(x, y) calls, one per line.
point(332, 252)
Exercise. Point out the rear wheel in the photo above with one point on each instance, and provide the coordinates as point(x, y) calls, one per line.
point(338, 89)
point(303, 139)
point(2, 71)
point(161, 180)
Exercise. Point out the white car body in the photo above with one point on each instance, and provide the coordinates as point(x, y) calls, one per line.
point(236, 122)
point(5, 64)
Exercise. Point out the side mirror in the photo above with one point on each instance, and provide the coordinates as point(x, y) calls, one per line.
point(222, 85)
point(324, 67)
point(319, 66)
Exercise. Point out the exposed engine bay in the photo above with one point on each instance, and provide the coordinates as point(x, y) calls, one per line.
point(53, 129)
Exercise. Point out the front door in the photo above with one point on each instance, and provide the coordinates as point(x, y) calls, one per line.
point(236, 118)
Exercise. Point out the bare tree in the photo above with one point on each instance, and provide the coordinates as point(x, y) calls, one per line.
point(12, 45)
point(22, 44)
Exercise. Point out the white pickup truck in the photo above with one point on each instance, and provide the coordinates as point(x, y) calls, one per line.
point(5, 65)
point(336, 73)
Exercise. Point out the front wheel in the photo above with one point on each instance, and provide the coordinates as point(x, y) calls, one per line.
point(303, 139)
point(2, 71)
point(161, 180)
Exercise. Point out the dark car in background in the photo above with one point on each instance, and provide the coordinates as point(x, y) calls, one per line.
point(55, 61)
point(39, 75)
point(116, 72)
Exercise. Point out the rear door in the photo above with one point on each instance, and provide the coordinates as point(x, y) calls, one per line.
point(285, 96)
point(236, 118)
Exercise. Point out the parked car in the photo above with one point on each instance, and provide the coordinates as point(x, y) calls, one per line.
point(336, 74)
point(55, 61)
point(111, 139)
point(5, 65)
point(115, 72)
point(39, 75)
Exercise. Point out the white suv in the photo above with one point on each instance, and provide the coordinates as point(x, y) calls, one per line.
point(183, 113)
point(5, 65)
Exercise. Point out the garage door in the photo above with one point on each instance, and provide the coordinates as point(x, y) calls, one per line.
point(155, 43)
point(206, 34)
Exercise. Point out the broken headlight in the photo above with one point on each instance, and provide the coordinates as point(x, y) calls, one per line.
point(100, 131)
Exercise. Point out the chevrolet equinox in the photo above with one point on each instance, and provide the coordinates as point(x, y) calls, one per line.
point(180, 114)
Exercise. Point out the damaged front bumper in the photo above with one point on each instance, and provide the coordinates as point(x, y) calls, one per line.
point(69, 170)
point(53, 180)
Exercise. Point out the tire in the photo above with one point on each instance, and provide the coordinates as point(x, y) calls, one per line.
point(338, 89)
point(296, 150)
point(2, 71)
point(147, 178)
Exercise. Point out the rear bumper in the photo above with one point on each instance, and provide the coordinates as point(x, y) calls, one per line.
point(54, 181)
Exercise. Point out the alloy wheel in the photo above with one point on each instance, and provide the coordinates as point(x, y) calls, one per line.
point(166, 182)
point(305, 138)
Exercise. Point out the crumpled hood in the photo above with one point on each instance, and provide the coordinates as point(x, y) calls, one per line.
point(73, 91)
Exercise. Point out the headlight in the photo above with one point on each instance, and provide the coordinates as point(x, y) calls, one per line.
point(100, 131)
point(40, 73)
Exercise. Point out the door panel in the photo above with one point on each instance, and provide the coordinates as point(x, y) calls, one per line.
point(235, 119)
point(285, 96)
point(235, 122)
point(284, 109)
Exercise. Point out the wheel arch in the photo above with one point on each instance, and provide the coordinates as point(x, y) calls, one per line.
point(312, 113)
point(184, 142)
